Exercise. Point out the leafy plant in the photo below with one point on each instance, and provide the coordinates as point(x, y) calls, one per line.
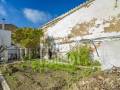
point(81, 56)
point(96, 63)
point(23, 66)
point(25, 58)
point(28, 38)
point(35, 66)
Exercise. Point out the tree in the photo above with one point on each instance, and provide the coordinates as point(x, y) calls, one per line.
point(50, 46)
point(27, 38)
point(116, 3)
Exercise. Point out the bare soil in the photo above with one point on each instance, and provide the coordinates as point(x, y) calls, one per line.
point(27, 79)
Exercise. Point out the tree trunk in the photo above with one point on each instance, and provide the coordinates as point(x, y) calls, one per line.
point(41, 51)
point(26, 52)
point(29, 50)
point(21, 54)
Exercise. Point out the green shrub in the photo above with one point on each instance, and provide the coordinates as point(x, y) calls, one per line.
point(25, 58)
point(35, 66)
point(63, 67)
point(82, 56)
point(38, 66)
point(96, 63)
point(44, 65)
point(23, 66)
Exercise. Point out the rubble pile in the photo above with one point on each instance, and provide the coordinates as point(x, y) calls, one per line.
point(105, 80)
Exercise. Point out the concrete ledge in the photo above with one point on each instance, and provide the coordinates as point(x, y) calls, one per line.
point(4, 83)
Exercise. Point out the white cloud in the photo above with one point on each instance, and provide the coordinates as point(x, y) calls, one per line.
point(36, 16)
point(2, 11)
point(3, 1)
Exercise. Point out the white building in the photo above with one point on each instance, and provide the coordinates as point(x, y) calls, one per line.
point(91, 20)
point(5, 38)
point(5, 43)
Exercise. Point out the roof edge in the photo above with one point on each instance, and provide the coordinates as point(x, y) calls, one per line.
point(66, 14)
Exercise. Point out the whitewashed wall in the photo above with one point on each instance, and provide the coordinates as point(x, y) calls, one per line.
point(5, 38)
point(104, 11)
point(109, 52)
point(101, 10)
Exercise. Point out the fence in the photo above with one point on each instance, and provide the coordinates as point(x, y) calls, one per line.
point(56, 54)
point(43, 53)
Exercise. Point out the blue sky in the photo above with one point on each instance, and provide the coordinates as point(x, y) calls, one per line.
point(34, 13)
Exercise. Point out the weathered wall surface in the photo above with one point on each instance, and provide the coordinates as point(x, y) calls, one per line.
point(88, 21)
point(5, 38)
point(109, 52)
point(96, 19)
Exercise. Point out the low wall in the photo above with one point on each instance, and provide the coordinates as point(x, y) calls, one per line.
point(3, 83)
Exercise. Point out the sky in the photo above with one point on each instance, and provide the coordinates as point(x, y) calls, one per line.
point(34, 13)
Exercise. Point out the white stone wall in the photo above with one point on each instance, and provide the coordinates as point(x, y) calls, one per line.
point(5, 38)
point(109, 52)
point(101, 10)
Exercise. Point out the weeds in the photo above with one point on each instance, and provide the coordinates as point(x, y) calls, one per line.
point(36, 71)
point(82, 56)
point(42, 65)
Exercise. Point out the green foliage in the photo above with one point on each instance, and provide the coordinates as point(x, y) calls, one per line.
point(23, 66)
point(44, 65)
point(96, 63)
point(81, 56)
point(86, 72)
point(35, 66)
point(26, 58)
point(27, 37)
point(63, 67)
point(68, 73)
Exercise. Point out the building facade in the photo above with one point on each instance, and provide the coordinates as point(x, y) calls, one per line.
point(97, 20)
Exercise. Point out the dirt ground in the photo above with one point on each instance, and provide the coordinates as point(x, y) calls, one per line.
point(48, 80)
point(106, 80)
point(51, 80)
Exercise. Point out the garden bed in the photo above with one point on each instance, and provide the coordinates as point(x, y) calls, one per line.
point(42, 75)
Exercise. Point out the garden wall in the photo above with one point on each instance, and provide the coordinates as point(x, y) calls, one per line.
point(109, 52)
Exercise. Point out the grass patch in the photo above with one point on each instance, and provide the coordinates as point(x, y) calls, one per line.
point(82, 56)
point(38, 65)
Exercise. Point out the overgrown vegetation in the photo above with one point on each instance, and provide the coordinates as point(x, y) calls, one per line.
point(82, 56)
point(51, 74)
point(44, 74)
point(29, 39)
point(45, 65)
